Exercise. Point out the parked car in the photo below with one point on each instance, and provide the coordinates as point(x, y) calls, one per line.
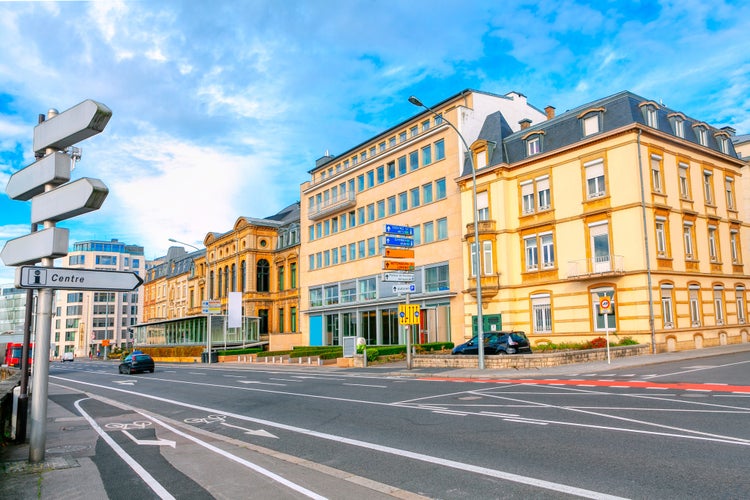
point(134, 363)
point(67, 356)
point(497, 343)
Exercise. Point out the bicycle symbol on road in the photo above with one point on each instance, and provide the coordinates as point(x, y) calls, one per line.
point(206, 420)
point(138, 424)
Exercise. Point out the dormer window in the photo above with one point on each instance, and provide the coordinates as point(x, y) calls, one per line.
point(533, 145)
point(677, 120)
point(723, 142)
point(702, 134)
point(591, 121)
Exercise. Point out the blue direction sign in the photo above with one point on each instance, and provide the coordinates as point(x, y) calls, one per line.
point(395, 241)
point(400, 230)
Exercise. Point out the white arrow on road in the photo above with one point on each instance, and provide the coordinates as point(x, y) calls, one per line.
point(124, 382)
point(259, 432)
point(154, 442)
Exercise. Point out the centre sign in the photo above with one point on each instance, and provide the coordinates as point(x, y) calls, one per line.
point(62, 278)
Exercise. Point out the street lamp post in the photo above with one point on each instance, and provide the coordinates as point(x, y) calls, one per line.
point(480, 334)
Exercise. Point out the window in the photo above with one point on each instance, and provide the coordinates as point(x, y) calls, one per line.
point(548, 250)
point(594, 178)
point(352, 251)
point(649, 113)
point(392, 142)
point(429, 232)
point(402, 165)
point(326, 227)
point(723, 143)
point(262, 274)
point(402, 137)
point(370, 178)
point(739, 295)
point(533, 145)
point(361, 215)
point(106, 260)
point(486, 258)
point(360, 183)
point(531, 253)
point(370, 212)
point(713, 244)
point(316, 297)
point(414, 195)
point(719, 304)
point(326, 258)
point(293, 277)
point(729, 188)
point(483, 209)
point(367, 290)
point(361, 249)
point(689, 237)
point(391, 205)
point(335, 225)
point(425, 125)
point(293, 319)
point(543, 192)
point(427, 193)
point(391, 170)
point(381, 209)
point(281, 319)
point(684, 181)
point(439, 150)
point(440, 188)
point(701, 133)
point(734, 246)
point(352, 219)
point(708, 190)
point(342, 252)
point(311, 263)
point(591, 124)
point(348, 292)
point(667, 310)
point(442, 228)
point(403, 202)
point(541, 310)
point(370, 247)
point(426, 155)
point(527, 197)
point(599, 317)
point(661, 237)
point(656, 174)
point(437, 278)
point(413, 131)
point(414, 160)
point(381, 147)
point(280, 278)
point(75, 297)
point(331, 295)
point(380, 173)
point(679, 127)
point(695, 308)
point(599, 244)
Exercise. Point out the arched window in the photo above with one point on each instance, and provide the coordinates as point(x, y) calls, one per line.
point(243, 274)
point(262, 274)
point(226, 281)
point(212, 284)
point(234, 278)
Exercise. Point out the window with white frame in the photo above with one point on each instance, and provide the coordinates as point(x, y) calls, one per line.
point(684, 181)
point(734, 246)
point(656, 174)
point(679, 127)
point(594, 179)
point(531, 252)
point(541, 310)
point(713, 244)
point(702, 135)
point(723, 143)
point(661, 237)
point(729, 188)
point(649, 113)
point(487, 257)
point(739, 295)
point(483, 206)
point(480, 160)
point(599, 317)
point(533, 145)
point(591, 124)
point(719, 304)
point(708, 189)
point(527, 197)
point(331, 294)
point(667, 305)
point(544, 200)
point(695, 307)
point(687, 233)
point(548, 250)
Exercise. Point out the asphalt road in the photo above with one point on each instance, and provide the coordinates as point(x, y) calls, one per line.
point(675, 430)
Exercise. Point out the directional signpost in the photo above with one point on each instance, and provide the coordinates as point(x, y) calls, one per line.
point(52, 200)
point(399, 243)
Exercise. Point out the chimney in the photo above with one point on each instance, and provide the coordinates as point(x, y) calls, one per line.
point(525, 123)
point(550, 111)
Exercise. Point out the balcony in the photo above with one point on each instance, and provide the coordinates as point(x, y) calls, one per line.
point(484, 227)
point(341, 202)
point(490, 286)
point(596, 267)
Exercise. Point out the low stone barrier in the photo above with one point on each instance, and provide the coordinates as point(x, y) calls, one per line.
point(528, 361)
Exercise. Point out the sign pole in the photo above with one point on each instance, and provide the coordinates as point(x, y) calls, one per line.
point(408, 339)
point(606, 330)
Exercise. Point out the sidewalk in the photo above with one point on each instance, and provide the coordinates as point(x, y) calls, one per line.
point(69, 472)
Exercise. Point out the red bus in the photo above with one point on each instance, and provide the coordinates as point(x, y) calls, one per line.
point(13, 354)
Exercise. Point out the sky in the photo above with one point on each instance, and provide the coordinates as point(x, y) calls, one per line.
point(220, 108)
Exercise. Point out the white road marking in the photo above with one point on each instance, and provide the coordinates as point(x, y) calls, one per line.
point(368, 385)
point(154, 442)
point(698, 368)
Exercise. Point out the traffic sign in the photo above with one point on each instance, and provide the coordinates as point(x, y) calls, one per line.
point(402, 230)
point(63, 278)
point(28, 182)
point(396, 241)
point(71, 126)
point(399, 253)
point(410, 288)
point(397, 265)
point(211, 307)
point(32, 248)
point(604, 305)
point(398, 277)
point(79, 197)
point(408, 314)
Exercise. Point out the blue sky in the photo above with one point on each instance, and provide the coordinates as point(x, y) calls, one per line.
point(221, 108)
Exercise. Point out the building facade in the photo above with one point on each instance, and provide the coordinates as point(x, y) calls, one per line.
point(403, 176)
point(12, 312)
point(91, 322)
point(620, 198)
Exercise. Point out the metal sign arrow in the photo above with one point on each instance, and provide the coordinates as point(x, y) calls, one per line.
point(32, 248)
point(69, 200)
point(71, 126)
point(61, 278)
point(30, 181)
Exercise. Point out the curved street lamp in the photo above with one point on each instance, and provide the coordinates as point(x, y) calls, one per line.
point(480, 334)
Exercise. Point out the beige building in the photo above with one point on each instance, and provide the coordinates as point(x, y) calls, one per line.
point(404, 176)
point(621, 198)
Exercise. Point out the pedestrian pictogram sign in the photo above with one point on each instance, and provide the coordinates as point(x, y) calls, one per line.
point(408, 314)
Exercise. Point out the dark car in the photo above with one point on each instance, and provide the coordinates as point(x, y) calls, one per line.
point(137, 362)
point(497, 343)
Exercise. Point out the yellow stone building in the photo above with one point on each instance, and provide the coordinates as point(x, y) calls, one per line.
point(403, 176)
point(624, 198)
